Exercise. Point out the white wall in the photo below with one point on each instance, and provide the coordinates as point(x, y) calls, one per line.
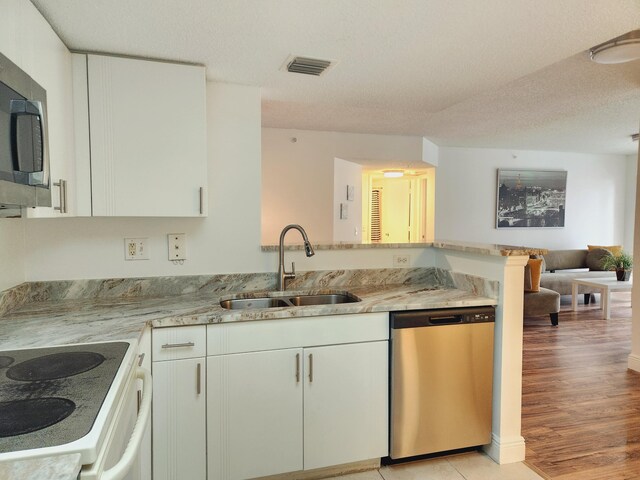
point(466, 197)
point(30, 42)
point(12, 253)
point(630, 202)
point(227, 241)
point(349, 229)
point(297, 177)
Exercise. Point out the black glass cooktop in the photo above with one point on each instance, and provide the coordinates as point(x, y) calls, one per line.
point(51, 396)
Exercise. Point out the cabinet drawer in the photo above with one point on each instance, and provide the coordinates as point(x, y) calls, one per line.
point(240, 337)
point(179, 342)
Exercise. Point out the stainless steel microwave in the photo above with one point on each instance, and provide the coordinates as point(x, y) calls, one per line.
point(24, 156)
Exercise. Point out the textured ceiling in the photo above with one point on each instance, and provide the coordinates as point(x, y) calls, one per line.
point(498, 73)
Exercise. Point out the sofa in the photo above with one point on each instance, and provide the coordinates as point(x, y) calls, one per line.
point(560, 267)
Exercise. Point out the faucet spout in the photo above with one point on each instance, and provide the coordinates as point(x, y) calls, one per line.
point(283, 275)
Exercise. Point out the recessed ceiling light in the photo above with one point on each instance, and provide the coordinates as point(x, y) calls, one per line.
point(393, 173)
point(624, 48)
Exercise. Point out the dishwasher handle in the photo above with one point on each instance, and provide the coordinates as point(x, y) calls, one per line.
point(448, 320)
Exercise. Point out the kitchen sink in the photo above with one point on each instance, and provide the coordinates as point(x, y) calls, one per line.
point(323, 299)
point(242, 303)
point(299, 300)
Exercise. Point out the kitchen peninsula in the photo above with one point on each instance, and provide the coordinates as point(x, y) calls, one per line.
point(53, 313)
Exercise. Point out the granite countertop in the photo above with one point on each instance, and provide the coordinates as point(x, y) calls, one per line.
point(58, 322)
point(61, 467)
point(477, 248)
point(58, 313)
point(489, 248)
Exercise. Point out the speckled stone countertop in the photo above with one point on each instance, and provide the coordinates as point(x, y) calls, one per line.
point(59, 322)
point(477, 248)
point(488, 248)
point(58, 313)
point(61, 467)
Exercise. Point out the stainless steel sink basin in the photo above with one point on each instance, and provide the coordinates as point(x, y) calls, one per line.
point(322, 299)
point(242, 303)
point(290, 301)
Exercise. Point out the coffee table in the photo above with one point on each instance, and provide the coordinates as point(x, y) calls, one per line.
point(606, 285)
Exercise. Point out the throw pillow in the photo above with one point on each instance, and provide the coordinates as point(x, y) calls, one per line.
point(544, 264)
point(595, 257)
point(527, 278)
point(614, 249)
point(535, 266)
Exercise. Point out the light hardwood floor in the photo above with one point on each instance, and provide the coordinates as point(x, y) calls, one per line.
point(580, 404)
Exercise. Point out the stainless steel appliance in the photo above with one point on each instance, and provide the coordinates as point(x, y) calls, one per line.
point(441, 380)
point(24, 157)
point(74, 399)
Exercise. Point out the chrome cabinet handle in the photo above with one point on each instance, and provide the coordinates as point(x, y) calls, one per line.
point(198, 381)
point(63, 195)
point(178, 345)
point(297, 368)
point(201, 200)
point(311, 368)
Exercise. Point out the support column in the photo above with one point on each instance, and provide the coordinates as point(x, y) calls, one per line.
point(634, 357)
point(507, 443)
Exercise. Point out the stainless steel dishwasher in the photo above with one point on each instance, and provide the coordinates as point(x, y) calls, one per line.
point(441, 380)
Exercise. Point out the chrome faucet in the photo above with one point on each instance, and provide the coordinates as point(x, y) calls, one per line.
point(283, 275)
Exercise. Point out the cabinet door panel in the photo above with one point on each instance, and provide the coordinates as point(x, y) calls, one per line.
point(148, 137)
point(179, 419)
point(345, 403)
point(254, 408)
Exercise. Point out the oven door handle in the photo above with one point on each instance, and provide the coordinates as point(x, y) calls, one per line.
point(120, 469)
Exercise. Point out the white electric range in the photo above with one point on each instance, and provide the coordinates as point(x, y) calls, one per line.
point(73, 399)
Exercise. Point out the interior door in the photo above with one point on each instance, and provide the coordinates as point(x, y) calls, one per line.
point(396, 201)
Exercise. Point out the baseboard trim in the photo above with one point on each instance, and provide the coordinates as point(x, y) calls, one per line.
point(633, 362)
point(505, 451)
point(334, 471)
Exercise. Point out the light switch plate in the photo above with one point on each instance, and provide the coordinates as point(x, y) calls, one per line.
point(177, 246)
point(344, 211)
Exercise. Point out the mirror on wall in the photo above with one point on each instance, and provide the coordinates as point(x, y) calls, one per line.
point(343, 199)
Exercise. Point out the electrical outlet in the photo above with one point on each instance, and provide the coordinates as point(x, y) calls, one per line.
point(136, 249)
point(177, 246)
point(401, 260)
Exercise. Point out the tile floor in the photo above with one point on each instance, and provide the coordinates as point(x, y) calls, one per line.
point(466, 466)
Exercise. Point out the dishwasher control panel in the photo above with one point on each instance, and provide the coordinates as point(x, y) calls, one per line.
point(444, 316)
point(483, 317)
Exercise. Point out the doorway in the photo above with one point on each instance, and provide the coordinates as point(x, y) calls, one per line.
point(396, 209)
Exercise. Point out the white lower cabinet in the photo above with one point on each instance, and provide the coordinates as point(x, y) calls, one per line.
point(297, 407)
point(179, 413)
point(254, 405)
point(345, 403)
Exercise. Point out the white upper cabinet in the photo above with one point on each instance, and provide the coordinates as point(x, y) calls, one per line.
point(147, 137)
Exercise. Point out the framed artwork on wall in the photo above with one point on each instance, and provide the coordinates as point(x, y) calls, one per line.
point(531, 198)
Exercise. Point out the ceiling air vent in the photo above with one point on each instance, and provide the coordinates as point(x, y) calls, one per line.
point(308, 66)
